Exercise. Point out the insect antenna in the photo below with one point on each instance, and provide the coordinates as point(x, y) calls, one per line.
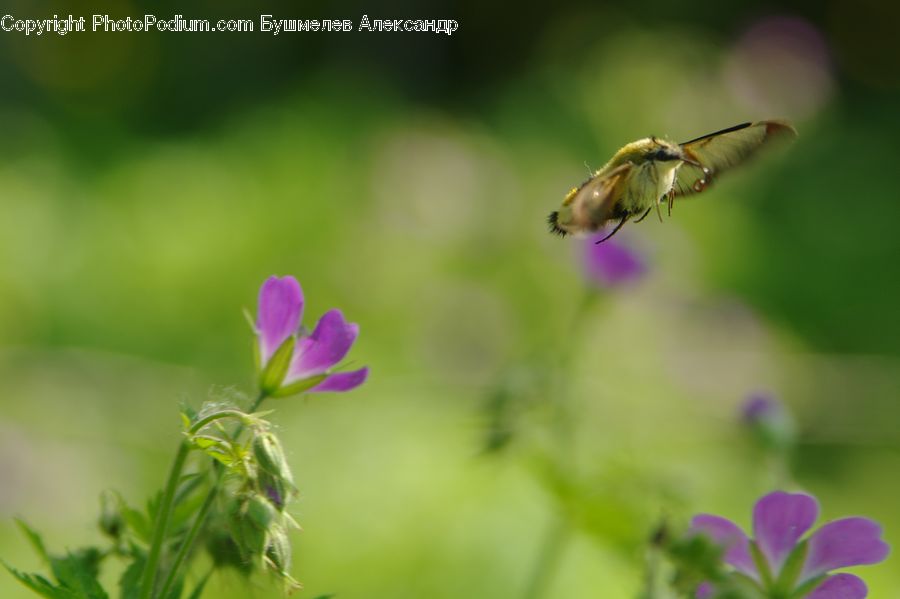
point(552, 220)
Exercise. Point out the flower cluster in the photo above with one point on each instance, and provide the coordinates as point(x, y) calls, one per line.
point(292, 362)
point(780, 563)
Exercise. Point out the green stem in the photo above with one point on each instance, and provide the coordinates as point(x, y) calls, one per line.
point(552, 548)
point(148, 578)
point(557, 536)
point(200, 520)
point(188, 542)
point(198, 426)
point(564, 421)
point(259, 400)
point(652, 573)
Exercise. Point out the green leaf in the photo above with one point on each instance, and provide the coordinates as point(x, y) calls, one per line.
point(41, 585)
point(35, 539)
point(78, 571)
point(188, 484)
point(130, 581)
point(137, 522)
point(275, 370)
point(207, 441)
point(188, 412)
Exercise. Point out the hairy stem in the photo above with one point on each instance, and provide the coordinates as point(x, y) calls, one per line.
point(148, 578)
point(188, 542)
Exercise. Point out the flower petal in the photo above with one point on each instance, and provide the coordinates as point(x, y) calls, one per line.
point(278, 313)
point(342, 381)
point(840, 586)
point(842, 543)
point(779, 520)
point(328, 344)
point(726, 533)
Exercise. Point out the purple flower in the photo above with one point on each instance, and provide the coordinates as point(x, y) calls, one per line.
point(769, 419)
point(786, 564)
point(760, 406)
point(611, 264)
point(292, 362)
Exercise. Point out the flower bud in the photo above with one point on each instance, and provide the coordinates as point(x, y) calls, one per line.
point(260, 512)
point(249, 520)
point(769, 421)
point(270, 456)
point(275, 489)
point(279, 549)
point(111, 521)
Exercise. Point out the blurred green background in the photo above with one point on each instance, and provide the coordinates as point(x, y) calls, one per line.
point(149, 183)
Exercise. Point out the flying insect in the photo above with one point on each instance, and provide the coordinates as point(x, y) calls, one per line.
point(646, 173)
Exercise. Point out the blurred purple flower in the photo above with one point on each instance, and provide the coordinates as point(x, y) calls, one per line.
point(704, 591)
point(779, 521)
point(758, 407)
point(769, 419)
point(611, 263)
point(290, 361)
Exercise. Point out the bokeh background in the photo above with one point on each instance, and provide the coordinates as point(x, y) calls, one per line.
point(149, 183)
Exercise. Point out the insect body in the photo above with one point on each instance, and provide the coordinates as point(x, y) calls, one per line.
point(645, 172)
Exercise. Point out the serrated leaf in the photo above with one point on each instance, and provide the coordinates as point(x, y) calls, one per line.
point(78, 572)
point(40, 585)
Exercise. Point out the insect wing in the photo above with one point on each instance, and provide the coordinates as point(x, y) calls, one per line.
point(723, 150)
point(593, 202)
